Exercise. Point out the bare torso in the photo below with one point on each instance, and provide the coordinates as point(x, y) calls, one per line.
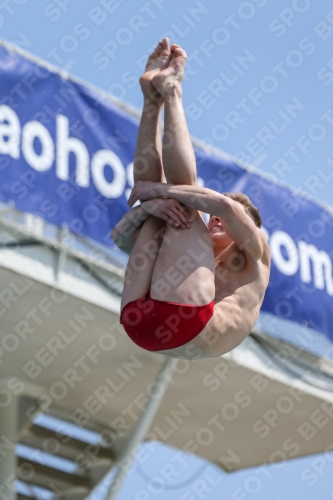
point(240, 285)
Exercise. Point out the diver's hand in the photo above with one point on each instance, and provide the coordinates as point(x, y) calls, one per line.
point(169, 210)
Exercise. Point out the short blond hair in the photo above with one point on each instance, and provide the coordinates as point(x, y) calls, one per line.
point(251, 210)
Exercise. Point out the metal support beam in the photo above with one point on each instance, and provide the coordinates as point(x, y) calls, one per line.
point(8, 434)
point(62, 233)
point(141, 428)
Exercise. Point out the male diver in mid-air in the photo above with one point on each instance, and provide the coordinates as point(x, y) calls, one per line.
point(190, 290)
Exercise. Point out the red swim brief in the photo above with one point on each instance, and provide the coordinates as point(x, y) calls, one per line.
point(156, 325)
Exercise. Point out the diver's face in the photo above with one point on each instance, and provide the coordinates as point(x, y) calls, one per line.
point(215, 225)
point(219, 237)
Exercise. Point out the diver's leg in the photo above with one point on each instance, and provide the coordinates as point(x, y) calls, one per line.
point(184, 271)
point(141, 263)
point(148, 153)
point(178, 155)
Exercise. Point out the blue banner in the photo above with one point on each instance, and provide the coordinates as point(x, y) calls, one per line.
point(66, 155)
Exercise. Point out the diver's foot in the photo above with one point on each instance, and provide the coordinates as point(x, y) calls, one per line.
point(168, 80)
point(157, 61)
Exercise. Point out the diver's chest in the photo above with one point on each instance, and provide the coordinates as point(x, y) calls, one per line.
point(228, 279)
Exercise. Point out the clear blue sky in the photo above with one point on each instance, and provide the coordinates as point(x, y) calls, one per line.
point(302, 479)
point(259, 86)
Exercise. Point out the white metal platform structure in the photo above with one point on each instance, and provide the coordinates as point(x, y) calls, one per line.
point(63, 353)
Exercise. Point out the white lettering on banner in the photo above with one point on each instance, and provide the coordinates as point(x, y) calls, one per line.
point(303, 257)
point(45, 159)
point(321, 265)
point(100, 159)
point(10, 139)
point(11, 131)
point(287, 266)
point(67, 145)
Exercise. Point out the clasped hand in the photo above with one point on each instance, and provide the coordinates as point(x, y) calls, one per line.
point(143, 190)
point(170, 210)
